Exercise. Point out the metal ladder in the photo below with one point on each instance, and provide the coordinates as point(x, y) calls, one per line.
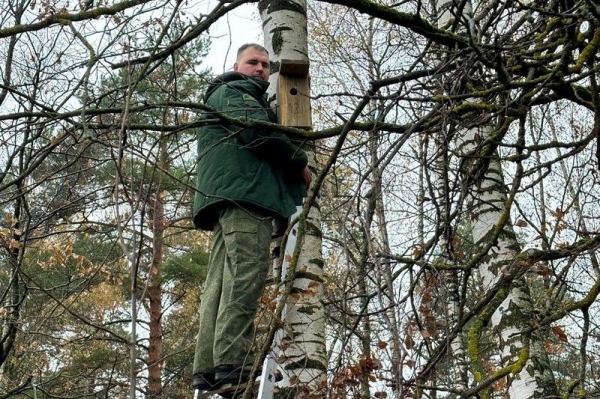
point(270, 365)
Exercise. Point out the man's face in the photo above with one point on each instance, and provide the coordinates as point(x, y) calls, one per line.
point(254, 63)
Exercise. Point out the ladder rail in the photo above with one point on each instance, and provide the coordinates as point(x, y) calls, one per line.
point(270, 365)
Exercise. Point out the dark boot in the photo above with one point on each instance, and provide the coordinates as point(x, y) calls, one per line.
point(204, 381)
point(233, 374)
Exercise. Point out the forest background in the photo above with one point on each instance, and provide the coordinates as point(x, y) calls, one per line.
point(455, 152)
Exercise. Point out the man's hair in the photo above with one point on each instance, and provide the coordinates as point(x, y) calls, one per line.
point(255, 46)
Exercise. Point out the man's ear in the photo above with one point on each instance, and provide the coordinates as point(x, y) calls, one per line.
point(235, 67)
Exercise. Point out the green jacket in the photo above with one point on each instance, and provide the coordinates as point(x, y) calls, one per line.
point(244, 166)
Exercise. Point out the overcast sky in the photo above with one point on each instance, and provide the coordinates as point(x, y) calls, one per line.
point(240, 26)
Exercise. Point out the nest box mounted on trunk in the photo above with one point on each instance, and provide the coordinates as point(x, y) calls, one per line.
point(293, 94)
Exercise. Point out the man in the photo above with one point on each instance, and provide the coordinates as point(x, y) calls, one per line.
point(246, 176)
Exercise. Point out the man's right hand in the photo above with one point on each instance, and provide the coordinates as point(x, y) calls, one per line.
point(306, 176)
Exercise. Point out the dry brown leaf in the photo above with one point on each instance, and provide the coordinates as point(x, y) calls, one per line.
point(560, 333)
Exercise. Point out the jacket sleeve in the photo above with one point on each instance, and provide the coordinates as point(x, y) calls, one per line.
point(269, 144)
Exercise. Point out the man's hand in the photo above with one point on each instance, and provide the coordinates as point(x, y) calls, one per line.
point(306, 176)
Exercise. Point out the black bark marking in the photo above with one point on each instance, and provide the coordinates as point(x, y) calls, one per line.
point(280, 5)
point(277, 39)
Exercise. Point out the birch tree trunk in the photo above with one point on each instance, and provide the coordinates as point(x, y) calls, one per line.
point(519, 345)
point(302, 344)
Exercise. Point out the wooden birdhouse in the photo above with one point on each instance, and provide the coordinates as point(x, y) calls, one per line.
point(293, 94)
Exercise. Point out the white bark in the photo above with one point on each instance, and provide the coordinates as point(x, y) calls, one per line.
point(302, 347)
point(285, 32)
point(303, 342)
point(512, 317)
point(489, 196)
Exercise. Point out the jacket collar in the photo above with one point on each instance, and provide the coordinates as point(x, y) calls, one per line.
point(258, 87)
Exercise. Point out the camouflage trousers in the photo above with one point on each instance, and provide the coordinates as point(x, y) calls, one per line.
point(237, 270)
